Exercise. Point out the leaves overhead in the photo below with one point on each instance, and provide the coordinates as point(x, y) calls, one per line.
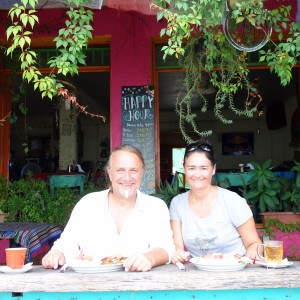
point(189, 21)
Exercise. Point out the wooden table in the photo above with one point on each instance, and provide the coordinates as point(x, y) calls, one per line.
point(165, 282)
point(241, 179)
point(235, 179)
point(70, 180)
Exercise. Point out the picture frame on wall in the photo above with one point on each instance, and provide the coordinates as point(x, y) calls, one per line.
point(238, 143)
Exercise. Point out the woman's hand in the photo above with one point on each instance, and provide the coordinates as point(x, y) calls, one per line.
point(180, 256)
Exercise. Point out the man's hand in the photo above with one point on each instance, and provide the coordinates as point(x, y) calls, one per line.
point(53, 259)
point(138, 262)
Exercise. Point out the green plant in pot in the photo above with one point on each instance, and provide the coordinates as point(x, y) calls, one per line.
point(167, 191)
point(29, 200)
point(263, 187)
point(272, 193)
point(4, 191)
point(290, 191)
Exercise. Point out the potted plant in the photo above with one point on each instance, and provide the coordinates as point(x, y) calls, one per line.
point(3, 196)
point(167, 191)
point(288, 233)
point(29, 200)
point(274, 196)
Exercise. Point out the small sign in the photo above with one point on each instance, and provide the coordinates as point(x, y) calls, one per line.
point(138, 128)
point(238, 143)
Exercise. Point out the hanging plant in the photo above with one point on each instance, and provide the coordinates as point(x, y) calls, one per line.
point(227, 79)
point(70, 43)
point(222, 56)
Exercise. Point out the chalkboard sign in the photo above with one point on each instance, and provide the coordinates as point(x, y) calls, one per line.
point(138, 128)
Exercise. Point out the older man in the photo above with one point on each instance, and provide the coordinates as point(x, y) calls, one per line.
point(121, 220)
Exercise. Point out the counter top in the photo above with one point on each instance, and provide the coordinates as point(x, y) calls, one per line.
point(167, 277)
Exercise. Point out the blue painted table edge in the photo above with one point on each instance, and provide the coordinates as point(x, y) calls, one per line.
point(245, 294)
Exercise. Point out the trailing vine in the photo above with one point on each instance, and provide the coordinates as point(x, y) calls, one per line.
point(70, 43)
point(272, 224)
point(227, 79)
point(189, 21)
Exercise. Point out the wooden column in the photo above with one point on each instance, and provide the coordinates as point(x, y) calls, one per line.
point(5, 107)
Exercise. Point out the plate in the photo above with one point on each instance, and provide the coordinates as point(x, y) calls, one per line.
point(285, 263)
point(8, 270)
point(91, 267)
point(216, 265)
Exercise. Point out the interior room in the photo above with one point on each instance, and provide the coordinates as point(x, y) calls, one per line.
point(274, 133)
point(39, 130)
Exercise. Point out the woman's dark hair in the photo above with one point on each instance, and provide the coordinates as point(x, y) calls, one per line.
point(201, 146)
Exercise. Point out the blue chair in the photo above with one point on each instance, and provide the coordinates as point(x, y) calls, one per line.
point(73, 180)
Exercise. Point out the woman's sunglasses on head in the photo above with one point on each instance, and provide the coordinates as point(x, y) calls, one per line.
point(199, 145)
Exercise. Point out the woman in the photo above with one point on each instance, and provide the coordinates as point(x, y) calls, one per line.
point(208, 219)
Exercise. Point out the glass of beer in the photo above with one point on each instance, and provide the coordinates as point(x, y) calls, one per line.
point(273, 251)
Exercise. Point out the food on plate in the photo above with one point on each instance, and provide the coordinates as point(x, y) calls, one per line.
point(219, 258)
point(113, 259)
point(108, 260)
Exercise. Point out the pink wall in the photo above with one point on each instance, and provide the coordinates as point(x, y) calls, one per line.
point(130, 54)
point(130, 33)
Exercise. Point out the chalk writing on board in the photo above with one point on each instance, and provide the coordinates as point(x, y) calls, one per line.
point(138, 128)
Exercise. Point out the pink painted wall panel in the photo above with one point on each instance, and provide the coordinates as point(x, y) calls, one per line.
point(130, 33)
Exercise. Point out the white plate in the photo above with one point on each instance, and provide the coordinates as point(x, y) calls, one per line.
point(91, 267)
point(217, 265)
point(8, 270)
point(285, 263)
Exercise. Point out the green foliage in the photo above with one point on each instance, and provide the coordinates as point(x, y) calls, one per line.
point(167, 191)
point(227, 80)
point(191, 21)
point(4, 192)
point(29, 200)
point(273, 193)
point(188, 18)
point(274, 224)
point(70, 43)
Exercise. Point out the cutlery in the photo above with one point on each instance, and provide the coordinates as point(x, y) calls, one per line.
point(64, 268)
point(257, 260)
point(180, 266)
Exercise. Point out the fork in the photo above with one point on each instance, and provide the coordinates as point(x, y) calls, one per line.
point(64, 268)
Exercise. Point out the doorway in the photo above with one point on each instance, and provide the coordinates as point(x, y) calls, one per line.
point(271, 130)
point(39, 128)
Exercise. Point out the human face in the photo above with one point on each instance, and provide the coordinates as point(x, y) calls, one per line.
point(198, 170)
point(125, 173)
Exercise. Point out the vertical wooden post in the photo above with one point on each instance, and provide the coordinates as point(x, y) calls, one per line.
point(5, 107)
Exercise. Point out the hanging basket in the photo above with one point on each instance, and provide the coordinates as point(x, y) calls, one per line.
point(244, 36)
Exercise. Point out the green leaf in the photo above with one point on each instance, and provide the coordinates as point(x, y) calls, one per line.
point(262, 58)
point(267, 164)
point(239, 19)
point(21, 42)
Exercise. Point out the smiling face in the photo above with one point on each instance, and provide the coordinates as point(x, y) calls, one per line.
point(198, 170)
point(125, 173)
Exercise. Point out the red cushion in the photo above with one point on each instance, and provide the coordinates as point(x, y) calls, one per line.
point(4, 243)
